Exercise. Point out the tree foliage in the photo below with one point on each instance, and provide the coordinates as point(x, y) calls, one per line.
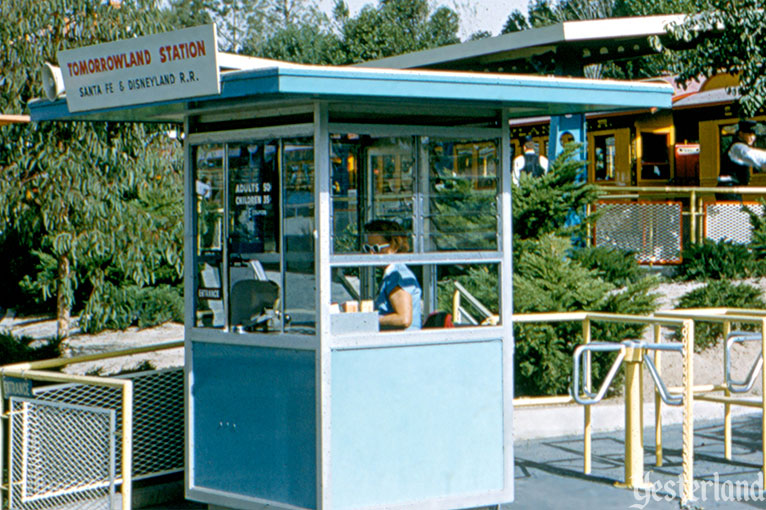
point(724, 37)
point(395, 27)
point(101, 200)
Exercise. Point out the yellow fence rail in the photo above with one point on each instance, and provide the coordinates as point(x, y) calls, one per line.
point(686, 321)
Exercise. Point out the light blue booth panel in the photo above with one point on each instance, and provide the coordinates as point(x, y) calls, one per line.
point(254, 425)
point(416, 422)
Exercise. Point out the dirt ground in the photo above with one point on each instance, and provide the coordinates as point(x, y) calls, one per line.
point(108, 341)
point(708, 365)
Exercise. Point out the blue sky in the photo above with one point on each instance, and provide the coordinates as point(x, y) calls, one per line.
point(475, 15)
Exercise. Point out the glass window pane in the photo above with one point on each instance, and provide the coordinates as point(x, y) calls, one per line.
point(461, 210)
point(450, 294)
point(254, 261)
point(346, 154)
point(209, 210)
point(372, 179)
point(655, 163)
point(604, 155)
point(300, 283)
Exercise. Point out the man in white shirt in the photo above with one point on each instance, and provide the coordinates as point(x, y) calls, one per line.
point(529, 162)
point(742, 156)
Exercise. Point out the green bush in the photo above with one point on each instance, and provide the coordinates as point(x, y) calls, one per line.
point(615, 266)
point(720, 293)
point(717, 260)
point(134, 306)
point(545, 280)
point(15, 349)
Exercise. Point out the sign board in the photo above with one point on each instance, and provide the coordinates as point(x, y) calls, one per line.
point(148, 69)
point(16, 387)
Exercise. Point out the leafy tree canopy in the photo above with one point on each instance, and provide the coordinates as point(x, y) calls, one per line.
point(724, 37)
point(98, 200)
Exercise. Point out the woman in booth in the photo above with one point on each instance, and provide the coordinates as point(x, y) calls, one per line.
point(399, 302)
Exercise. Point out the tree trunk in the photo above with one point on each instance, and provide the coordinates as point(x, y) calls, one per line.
point(63, 311)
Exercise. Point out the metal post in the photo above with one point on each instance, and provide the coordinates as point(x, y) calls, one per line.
point(587, 426)
point(726, 406)
point(687, 493)
point(763, 404)
point(127, 445)
point(693, 217)
point(634, 448)
point(657, 401)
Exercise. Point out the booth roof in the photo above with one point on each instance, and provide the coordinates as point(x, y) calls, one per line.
point(571, 43)
point(521, 95)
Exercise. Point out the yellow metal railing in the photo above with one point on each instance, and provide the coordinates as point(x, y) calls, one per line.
point(41, 371)
point(686, 320)
point(634, 389)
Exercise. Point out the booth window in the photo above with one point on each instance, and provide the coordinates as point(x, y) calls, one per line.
point(443, 194)
point(452, 206)
point(461, 209)
point(655, 161)
point(268, 252)
point(209, 187)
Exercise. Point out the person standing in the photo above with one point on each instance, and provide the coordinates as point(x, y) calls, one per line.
point(529, 162)
point(740, 159)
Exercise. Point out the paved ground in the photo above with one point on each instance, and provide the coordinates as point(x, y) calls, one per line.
point(549, 471)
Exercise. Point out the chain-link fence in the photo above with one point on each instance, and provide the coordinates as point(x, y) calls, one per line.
point(730, 221)
point(61, 455)
point(66, 441)
point(651, 230)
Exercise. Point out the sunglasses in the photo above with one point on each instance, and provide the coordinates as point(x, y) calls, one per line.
point(374, 248)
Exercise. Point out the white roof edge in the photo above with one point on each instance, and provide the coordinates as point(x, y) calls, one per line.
point(525, 39)
point(235, 62)
point(567, 31)
point(619, 27)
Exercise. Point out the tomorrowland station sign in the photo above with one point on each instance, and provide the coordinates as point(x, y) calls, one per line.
point(148, 69)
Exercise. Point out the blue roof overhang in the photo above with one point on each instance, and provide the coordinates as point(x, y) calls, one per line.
point(520, 95)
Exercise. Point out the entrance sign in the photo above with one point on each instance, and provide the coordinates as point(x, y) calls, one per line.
point(17, 387)
point(158, 67)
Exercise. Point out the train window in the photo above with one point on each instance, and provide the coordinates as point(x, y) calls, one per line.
point(655, 161)
point(604, 157)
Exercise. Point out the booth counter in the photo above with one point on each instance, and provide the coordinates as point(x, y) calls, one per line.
point(292, 402)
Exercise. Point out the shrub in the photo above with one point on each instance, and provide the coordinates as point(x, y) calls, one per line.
point(545, 280)
point(134, 306)
point(720, 293)
point(15, 349)
point(615, 266)
point(717, 260)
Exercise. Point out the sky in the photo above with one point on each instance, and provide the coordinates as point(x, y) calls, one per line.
point(475, 15)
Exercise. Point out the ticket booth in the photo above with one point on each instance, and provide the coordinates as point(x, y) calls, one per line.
point(296, 398)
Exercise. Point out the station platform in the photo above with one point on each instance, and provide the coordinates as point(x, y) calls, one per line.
point(548, 471)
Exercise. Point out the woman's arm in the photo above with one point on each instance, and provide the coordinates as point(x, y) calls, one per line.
point(401, 302)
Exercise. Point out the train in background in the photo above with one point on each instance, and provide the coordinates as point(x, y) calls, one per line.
point(682, 146)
